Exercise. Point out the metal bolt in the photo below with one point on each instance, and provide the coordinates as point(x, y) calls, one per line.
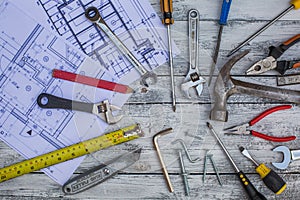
point(184, 175)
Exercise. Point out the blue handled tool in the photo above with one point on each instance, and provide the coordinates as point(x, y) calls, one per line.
point(223, 21)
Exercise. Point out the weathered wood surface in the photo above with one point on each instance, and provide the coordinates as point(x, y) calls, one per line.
point(152, 109)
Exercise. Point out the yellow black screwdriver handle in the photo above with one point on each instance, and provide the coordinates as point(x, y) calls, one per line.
point(271, 179)
point(166, 7)
point(250, 189)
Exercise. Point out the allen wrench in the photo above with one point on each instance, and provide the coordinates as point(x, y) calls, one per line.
point(155, 142)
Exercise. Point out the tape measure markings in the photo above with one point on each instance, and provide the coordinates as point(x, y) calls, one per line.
point(71, 152)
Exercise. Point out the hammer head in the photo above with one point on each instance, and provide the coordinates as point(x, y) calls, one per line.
point(223, 89)
point(286, 157)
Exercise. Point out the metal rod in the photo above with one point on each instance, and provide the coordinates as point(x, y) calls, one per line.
point(223, 147)
point(215, 58)
point(260, 30)
point(171, 68)
point(184, 175)
point(164, 168)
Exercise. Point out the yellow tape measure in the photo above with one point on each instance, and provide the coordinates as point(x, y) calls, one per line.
point(71, 152)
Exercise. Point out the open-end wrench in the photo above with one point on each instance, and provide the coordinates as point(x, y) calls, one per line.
point(193, 78)
point(103, 109)
point(93, 15)
point(288, 156)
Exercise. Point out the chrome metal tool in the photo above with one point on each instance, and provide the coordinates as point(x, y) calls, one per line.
point(93, 15)
point(193, 78)
point(103, 109)
point(100, 173)
point(167, 9)
point(288, 156)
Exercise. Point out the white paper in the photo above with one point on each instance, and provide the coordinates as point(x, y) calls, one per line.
point(28, 53)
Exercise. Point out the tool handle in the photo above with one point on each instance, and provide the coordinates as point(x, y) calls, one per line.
point(284, 65)
point(250, 189)
point(45, 100)
point(166, 7)
point(225, 11)
point(99, 83)
point(296, 4)
point(276, 52)
point(272, 138)
point(267, 112)
point(271, 179)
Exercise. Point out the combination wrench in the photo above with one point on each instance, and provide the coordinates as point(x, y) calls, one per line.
point(193, 78)
point(93, 15)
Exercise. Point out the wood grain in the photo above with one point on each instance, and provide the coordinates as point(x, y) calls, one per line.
point(152, 109)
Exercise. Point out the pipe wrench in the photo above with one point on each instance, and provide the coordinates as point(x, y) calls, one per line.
point(103, 110)
point(93, 15)
point(193, 78)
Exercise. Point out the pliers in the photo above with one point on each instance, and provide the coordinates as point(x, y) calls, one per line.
point(245, 128)
point(271, 62)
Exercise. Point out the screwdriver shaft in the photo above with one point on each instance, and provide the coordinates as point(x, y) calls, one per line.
point(215, 58)
point(260, 30)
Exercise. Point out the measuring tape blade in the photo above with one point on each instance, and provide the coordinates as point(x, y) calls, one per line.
point(71, 152)
point(100, 173)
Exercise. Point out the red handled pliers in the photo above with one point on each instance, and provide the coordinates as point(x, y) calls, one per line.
point(245, 128)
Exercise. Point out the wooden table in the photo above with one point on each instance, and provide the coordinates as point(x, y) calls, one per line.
point(152, 109)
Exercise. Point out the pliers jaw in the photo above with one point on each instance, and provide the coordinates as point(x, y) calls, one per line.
point(238, 130)
point(262, 66)
point(105, 111)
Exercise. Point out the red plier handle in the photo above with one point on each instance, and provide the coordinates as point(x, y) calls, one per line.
point(272, 138)
point(268, 112)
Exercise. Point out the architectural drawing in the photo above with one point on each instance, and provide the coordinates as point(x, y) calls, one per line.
point(134, 22)
point(28, 54)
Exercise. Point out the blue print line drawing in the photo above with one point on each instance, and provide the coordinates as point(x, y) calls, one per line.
point(28, 54)
point(133, 21)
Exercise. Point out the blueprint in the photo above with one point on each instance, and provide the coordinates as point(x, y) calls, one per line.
point(28, 54)
point(134, 21)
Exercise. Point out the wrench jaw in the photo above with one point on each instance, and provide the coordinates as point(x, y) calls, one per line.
point(198, 85)
point(105, 111)
point(148, 75)
point(286, 157)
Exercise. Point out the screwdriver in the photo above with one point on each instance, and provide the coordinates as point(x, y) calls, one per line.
point(271, 179)
point(167, 9)
point(222, 22)
point(295, 5)
point(248, 186)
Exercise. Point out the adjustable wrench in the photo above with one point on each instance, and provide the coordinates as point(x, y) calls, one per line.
point(93, 15)
point(103, 109)
point(193, 78)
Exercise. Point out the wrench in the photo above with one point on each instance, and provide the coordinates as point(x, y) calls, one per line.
point(288, 156)
point(193, 78)
point(103, 110)
point(93, 15)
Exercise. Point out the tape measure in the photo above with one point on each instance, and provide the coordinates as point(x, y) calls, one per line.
point(71, 152)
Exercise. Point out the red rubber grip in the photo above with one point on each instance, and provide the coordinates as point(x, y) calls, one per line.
point(267, 112)
point(272, 138)
point(90, 81)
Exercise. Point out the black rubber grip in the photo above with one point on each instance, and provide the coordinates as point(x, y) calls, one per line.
point(274, 182)
point(250, 189)
point(45, 100)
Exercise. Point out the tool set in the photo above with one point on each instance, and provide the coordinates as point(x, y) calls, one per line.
point(245, 128)
point(100, 173)
point(167, 9)
point(193, 78)
point(224, 87)
point(271, 62)
point(271, 179)
point(71, 152)
point(222, 22)
point(93, 15)
point(103, 110)
point(295, 4)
